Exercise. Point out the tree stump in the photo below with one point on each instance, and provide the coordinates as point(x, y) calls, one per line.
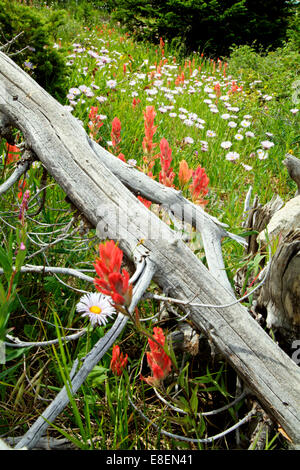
point(279, 227)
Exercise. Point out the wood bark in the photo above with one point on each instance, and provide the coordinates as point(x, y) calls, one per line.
point(281, 293)
point(60, 143)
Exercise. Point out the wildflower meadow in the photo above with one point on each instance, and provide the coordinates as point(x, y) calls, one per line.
point(208, 127)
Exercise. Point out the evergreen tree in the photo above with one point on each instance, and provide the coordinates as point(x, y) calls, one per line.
point(211, 25)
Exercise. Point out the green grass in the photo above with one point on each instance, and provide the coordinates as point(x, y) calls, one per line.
point(100, 415)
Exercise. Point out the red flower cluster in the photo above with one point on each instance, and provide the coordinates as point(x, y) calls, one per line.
point(167, 175)
point(116, 134)
point(150, 130)
point(234, 88)
point(118, 361)
point(111, 281)
point(135, 102)
point(13, 153)
point(161, 46)
point(95, 123)
point(184, 174)
point(121, 156)
point(145, 202)
point(180, 79)
point(158, 361)
point(199, 186)
point(217, 89)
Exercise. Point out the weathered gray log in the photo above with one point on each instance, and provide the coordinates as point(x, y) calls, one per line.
point(258, 219)
point(60, 143)
point(280, 294)
point(293, 167)
point(45, 443)
point(282, 222)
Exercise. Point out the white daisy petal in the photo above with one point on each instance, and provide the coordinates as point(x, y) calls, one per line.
point(98, 307)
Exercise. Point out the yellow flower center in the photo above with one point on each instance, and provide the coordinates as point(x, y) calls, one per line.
point(95, 309)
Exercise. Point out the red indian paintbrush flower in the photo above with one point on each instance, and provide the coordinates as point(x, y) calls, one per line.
point(116, 133)
point(184, 174)
point(150, 130)
point(95, 123)
point(158, 361)
point(167, 175)
point(144, 201)
point(118, 361)
point(13, 153)
point(111, 280)
point(199, 186)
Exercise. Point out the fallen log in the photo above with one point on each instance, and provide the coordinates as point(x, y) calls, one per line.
point(60, 143)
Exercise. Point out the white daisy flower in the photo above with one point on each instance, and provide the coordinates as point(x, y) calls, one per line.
point(188, 140)
point(75, 91)
point(294, 110)
point(231, 156)
point(266, 144)
point(97, 307)
point(101, 99)
point(249, 134)
point(234, 109)
point(210, 133)
point(111, 83)
point(239, 137)
point(262, 155)
point(188, 122)
point(245, 123)
point(226, 144)
point(247, 167)
point(68, 108)
point(232, 124)
point(132, 162)
point(151, 91)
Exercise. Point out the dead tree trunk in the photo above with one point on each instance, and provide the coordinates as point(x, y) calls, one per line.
point(63, 147)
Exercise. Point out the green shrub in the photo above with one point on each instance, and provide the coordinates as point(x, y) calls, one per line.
point(277, 69)
point(40, 59)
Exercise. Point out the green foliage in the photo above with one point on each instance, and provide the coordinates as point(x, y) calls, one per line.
point(277, 69)
point(210, 26)
point(40, 59)
point(293, 32)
